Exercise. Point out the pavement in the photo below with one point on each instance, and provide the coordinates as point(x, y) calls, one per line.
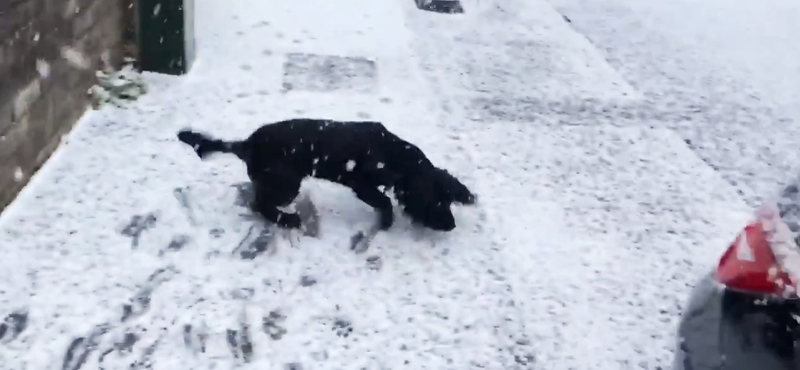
point(613, 165)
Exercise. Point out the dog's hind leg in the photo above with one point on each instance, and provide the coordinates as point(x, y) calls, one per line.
point(380, 202)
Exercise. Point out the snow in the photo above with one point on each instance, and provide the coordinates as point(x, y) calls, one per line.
point(43, 68)
point(725, 69)
point(596, 214)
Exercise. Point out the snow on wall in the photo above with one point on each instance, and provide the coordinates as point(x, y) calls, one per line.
point(48, 54)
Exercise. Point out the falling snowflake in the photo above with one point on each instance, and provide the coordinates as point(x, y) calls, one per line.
point(18, 175)
point(350, 165)
point(75, 58)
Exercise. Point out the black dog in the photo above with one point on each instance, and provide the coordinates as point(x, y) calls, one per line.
point(363, 156)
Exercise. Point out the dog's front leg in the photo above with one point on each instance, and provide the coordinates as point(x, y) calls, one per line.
point(268, 198)
point(375, 199)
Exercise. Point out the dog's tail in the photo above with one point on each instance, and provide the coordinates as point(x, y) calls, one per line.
point(204, 145)
point(448, 187)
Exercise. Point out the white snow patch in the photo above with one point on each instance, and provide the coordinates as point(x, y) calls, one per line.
point(43, 68)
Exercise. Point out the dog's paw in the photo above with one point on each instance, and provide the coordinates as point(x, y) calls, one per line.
point(289, 221)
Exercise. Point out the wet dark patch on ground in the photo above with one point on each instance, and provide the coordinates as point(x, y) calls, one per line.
point(326, 73)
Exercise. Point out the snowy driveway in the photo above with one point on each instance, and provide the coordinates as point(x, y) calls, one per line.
point(596, 214)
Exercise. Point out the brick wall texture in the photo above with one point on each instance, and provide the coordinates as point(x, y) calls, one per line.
point(49, 52)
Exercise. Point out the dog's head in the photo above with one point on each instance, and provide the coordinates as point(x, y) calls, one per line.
point(440, 218)
point(433, 215)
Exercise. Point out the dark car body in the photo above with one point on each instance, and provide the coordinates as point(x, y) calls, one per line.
point(745, 315)
point(440, 6)
point(727, 330)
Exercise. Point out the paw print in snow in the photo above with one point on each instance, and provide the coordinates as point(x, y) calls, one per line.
point(195, 337)
point(342, 328)
point(374, 263)
point(271, 325)
point(13, 325)
point(307, 281)
point(137, 225)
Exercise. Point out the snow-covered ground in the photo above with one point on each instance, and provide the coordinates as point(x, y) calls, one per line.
point(727, 73)
point(605, 192)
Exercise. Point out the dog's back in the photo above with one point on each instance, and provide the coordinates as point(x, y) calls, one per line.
point(334, 150)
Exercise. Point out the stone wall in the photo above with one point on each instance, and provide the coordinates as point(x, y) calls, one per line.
point(49, 52)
